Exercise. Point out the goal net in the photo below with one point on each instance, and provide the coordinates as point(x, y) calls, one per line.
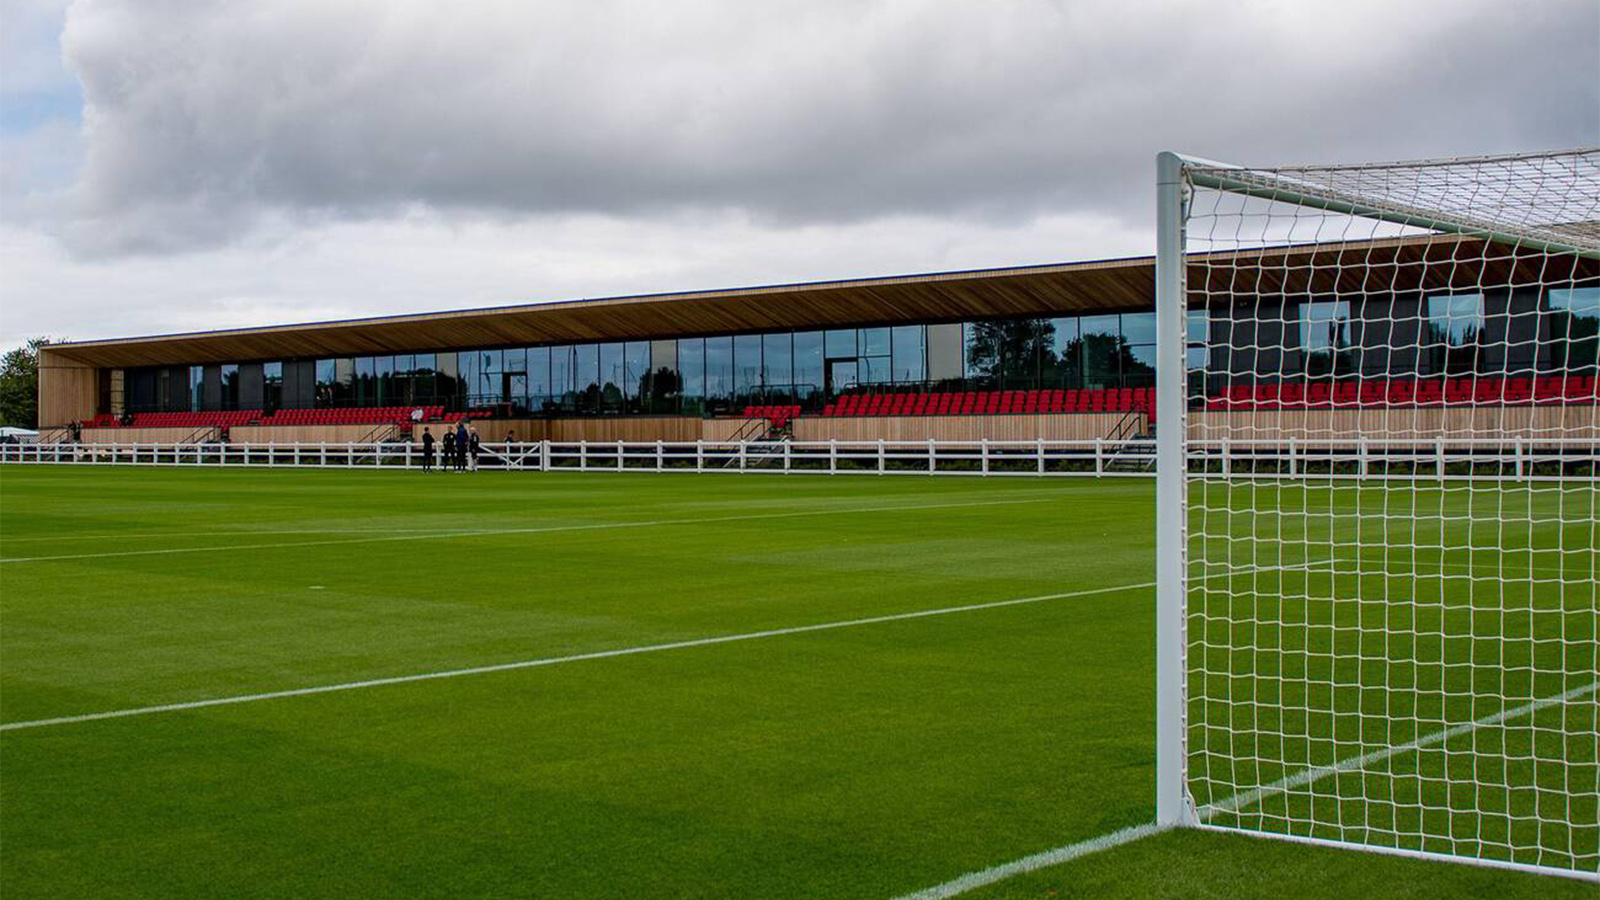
point(1380, 529)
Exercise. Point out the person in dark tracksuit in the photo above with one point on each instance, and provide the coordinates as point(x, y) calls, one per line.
point(449, 457)
point(461, 446)
point(427, 450)
point(472, 447)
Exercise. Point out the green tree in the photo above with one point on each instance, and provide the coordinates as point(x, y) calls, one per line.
point(19, 385)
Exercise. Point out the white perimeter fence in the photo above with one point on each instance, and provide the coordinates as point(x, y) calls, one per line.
point(1405, 459)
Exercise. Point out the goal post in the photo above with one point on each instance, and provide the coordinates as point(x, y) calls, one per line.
point(1378, 532)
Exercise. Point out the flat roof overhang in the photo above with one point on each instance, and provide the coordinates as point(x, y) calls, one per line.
point(1387, 265)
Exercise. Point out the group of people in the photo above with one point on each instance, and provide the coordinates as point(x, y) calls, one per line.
point(458, 451)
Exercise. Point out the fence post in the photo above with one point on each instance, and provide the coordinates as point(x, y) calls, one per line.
point(1292, 459)
point(882, 460)
point(1361, 452)
point(786, 456)
point(742, 446)
point(661, 453)
point(544, 455)
point(1438, 455)
point(1517, 450)
point(932, 457)
point(1099, 457)
point(833, 456)
point(700, 455)
point(983, 451)
point(408, 454)
point(1039, 450)
point(619, 456)
point(583, 456)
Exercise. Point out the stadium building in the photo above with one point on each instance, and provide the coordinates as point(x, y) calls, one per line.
point(1059, 352)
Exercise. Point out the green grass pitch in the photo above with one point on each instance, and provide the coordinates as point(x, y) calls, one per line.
point(870, 760)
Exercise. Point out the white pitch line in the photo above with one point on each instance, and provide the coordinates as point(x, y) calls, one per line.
point(974, 880)
point(985, 877)
point(598, 526)
point(558, 660)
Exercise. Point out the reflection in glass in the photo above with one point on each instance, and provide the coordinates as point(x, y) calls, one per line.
point(777, 368)
point(612, 377)
point(808, 377)
point(1574, 316)
point(719, 374)
point(1455, 324)
point(908, 354)
point(746, 368)
point(692, 374)
point(1325, 338)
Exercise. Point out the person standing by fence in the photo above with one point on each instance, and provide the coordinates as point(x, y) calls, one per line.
point(449, 457)
point(427, 450)
point(472, 447)
point(461, 446)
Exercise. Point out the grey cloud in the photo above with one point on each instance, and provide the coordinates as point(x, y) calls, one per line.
point(202, 120)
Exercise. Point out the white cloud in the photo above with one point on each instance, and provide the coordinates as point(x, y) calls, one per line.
point(269, 160)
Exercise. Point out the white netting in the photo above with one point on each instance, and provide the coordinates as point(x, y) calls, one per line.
point(1392, 628)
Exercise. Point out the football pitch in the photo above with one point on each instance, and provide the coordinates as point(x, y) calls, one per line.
point(300, 683)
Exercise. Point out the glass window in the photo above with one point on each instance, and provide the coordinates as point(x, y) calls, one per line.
point(489, 388)
point(344, 381)
point(1061, 367)
point(230, 386)
point(1139, 328)
point(1325, 338)
point(1199, 322)
point(777, 367)
point(586, 376)
point(1139, 366)
point(271, 385)
point(746, 368)
point(423, 380)
point(635, 375)
point(719, 373)
point(909, 354)
point(563, 393)
point(692, 374)
point(197, 380)
point(874, 370)
point(982, 343)
point(843, 374)
point(447, 384)
point(1455, 322)
point(469, 369)
point(1102, 351)
point(383, 372)
point(665, 385)
point(612, 377)
point(1574, 315)
point(808, 379)
point(840, 344)
point(540, 391)
point(874, 342)
point(365, 392)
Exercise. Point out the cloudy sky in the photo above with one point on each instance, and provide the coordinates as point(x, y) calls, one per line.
point(169, 165)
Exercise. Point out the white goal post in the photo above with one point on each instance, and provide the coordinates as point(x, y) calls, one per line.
point(1355, 650)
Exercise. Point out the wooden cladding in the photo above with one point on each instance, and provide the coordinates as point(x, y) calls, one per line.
point(68, 390)
point(1308, 426)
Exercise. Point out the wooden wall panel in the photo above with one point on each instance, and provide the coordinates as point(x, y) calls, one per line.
point(67, 390)
point(146, 435)
point(1398, 423)
point(1060, 427)
point(310, 434)
point(630, 428)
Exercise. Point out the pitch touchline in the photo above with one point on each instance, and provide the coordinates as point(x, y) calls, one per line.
point(558, 660)
point(1068, 852)
point(435, 535)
